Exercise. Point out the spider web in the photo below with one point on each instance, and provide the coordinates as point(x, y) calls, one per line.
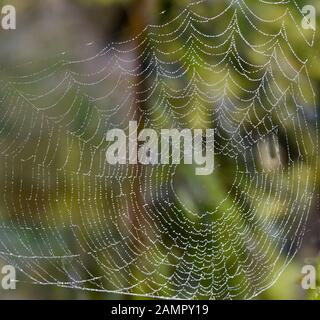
point(69, 219)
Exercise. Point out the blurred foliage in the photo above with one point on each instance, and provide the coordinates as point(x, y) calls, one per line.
point(129, 19)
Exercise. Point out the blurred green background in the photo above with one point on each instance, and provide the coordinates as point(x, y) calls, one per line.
point(47, 27)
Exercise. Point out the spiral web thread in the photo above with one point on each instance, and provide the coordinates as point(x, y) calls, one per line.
point(67, 218)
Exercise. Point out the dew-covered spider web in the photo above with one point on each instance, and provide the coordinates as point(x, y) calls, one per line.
point(69, 219)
